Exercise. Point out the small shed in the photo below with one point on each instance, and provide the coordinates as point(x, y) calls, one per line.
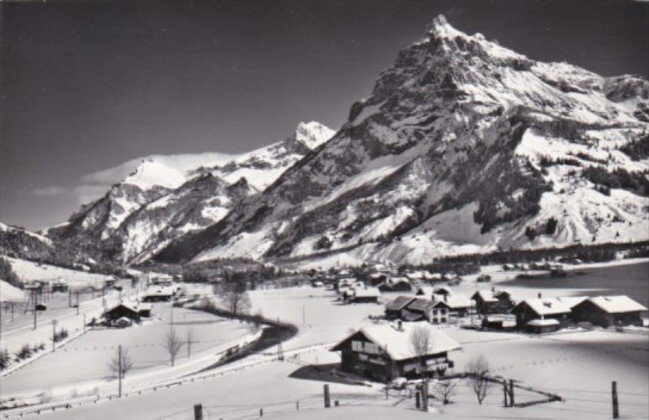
point(144, 309)
point(607, 311)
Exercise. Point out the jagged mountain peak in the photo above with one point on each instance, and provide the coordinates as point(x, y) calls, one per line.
point(461, 132)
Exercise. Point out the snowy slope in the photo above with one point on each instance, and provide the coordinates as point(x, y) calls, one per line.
point(462, 146)
point(165, 197)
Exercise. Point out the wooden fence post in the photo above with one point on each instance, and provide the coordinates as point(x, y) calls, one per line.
point(616, 409)
point(327, 400)
point(511, 393)
point(198, 412)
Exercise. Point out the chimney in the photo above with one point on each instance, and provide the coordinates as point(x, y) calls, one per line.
point(445, 297)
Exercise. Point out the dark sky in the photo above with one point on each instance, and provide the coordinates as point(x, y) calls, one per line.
point(87, 85)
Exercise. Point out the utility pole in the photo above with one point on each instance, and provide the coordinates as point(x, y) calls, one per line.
point(424, 394)
point(69, 298)
point(505, 392)
point(119, 369)
point(35, 295)
point(53, 335)
point(77, 293)
point(616, 409)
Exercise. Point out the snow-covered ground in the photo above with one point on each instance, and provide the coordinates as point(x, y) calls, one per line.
point(84, 361)
point(578, 365)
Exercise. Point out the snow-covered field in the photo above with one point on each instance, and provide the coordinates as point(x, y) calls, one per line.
point(84, 362)
point(577, 365)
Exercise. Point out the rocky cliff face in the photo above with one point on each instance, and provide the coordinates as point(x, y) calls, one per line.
point(163, 200)
point(462, 146)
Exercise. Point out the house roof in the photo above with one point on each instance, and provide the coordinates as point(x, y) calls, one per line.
point(572, 301)
point(131, 308)
point(548, 306)
point(485, 295)
point(399, 303)
point(397, 343)
point(366, 292)
point(420, 305)
point(617, 304)
point(454, 301)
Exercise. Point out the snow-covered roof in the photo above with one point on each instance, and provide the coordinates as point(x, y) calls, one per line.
point(543, 322)
point(617, 304)
point(572, 301)
point(420, 304)
point(397, 342)
point(366, 292)
point(548, 306)
point(454, 301)
point(399, 303)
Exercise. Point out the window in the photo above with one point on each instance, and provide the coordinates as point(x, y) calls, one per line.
point(357, 345)
point(371, 348)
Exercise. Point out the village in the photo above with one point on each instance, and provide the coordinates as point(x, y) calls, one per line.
point(433, 340)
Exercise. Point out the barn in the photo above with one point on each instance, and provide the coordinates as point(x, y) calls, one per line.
point(384, 352)
point(609, 311)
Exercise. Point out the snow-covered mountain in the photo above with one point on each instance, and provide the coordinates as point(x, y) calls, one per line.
point(462, 146)
point(165, 197)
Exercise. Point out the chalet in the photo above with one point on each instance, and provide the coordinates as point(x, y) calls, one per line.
point(492, 301)
point(609, 311)
point(384, 352)
point(539, 308)
point(397, 284)
point(112, 315)
point(395, 306)
point(455, 304)
point(443, 291)
point(363, 295)
point(417, 310)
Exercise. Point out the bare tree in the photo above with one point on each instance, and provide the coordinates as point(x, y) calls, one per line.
point(478, 377)
point(235, 298)
point(422, 343)
point(120, 364)
point(173, 344)
point(189, 341)
point(445, 390)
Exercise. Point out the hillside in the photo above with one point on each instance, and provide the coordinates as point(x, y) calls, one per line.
point(462, 146)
